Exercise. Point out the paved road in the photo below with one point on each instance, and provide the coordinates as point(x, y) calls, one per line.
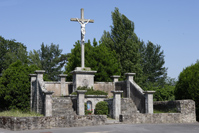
point(120, 128)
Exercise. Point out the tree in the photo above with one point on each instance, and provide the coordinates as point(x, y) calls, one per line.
point(187, 85)
point(50, 59)
point(15, 86)
point(152, 61)
point(10, 52)
point(125, 43)
point(97, 57)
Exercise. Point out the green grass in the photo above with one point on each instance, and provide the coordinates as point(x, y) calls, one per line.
point(17, 113)
point(165, 111)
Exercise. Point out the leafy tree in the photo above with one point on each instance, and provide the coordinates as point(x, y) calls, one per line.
point(98, 57)
point(187, 85)
point(50, 59)
point(152, 61)
point(15, 86)
point(10, 52)
point(125, 43)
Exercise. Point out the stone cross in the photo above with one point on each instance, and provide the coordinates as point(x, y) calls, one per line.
point(83, 23)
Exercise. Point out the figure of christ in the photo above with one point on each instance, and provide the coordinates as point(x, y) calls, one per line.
point(83, 25)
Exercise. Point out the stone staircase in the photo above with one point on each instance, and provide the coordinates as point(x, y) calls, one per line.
point(128, 106)
point(62, 106)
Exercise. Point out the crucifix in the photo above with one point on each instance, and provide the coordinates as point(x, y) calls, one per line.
point(83, 23)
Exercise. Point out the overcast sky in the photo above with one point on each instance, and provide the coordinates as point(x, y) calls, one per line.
point(173, 24)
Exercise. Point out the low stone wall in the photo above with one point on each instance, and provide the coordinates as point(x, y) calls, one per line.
point(186, 114)
point(30, 123)
point(105, 86)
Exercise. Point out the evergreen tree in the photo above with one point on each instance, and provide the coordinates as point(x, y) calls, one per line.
point(152, 61)
point(97, 57)
point(125, 43)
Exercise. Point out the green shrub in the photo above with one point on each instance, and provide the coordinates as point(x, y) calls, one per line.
point(101, 108)
point(90, 91)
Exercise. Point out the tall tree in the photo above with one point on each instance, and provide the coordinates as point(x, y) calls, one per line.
point(125, 43)
point(97, 57)
point(152, 61)
point(10, 52)
point(50, 59)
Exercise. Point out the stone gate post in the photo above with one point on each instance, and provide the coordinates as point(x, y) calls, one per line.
point(149, 101)
point(63, 84)
point(80, 102)
point(48, 103)
point(33, 87)
point(116, 104)
point(129, 78)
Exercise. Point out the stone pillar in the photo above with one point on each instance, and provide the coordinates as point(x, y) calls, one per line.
point(129, 78)
point(48, 103)
point(115, 78)
point(33, 87)
point(80, 102)
point(116, 104)
point(40, 85)
point(63, 90)
point(149, 101)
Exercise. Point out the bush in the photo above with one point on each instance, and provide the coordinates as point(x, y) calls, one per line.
point(90, 91)
point(101, 108)
point(187, 86)
point(15, 87)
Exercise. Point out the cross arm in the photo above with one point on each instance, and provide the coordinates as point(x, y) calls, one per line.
point(85, 20)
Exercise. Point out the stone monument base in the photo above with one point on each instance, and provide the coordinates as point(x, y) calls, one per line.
point(83, 77)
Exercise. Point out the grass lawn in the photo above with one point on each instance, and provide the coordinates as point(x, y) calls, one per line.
point(17, 113)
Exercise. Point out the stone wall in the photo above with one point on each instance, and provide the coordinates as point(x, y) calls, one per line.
point(56, 87)
point(128, 106)
point(137, 95)
point(105, 86)
point(30, 123)
point(186, 115)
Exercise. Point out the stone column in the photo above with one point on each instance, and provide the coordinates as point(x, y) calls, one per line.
point(149, 101)
point(63, 90)
point(80, 102)
point(40, 85)
point(115, 78)
point(129, 78)
point(33, 87)
point(48, 103)
point(116, 104)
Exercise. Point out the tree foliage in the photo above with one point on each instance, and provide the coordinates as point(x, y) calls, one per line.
point(187, 85)
point(50, 59)
point(98, 57)
point(15, 86)
point(10, 52)
point(125, 43)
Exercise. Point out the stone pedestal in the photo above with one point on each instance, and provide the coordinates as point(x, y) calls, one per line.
point(63, 84)
point(115, 78)
point(80, 102)
point(149, 101)
point(116, 104)
point(48, 103)
point(83, 77)
point(129, 78)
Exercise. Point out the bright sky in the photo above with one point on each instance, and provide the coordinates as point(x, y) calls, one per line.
point(173, 24)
